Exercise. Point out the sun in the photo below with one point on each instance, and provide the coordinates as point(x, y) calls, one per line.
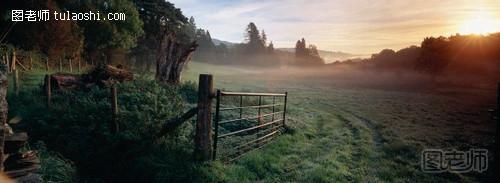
point(480, 24)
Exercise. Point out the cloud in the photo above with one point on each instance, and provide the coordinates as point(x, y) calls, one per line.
point(359, 26)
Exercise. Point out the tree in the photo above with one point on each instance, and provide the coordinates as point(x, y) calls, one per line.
point(164, 25)
point(434, 56)
point(53, 38)
point(105, 35)
point(307, 56)
point(270, 48)
point(300, 48)
point(254, 40)
point(264, 38)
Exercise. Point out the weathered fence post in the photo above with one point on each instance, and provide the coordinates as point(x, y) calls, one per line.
point(48, 89)
point(47, 68)
point(115, 127)
point(284, 109)
point(70, 66)
point(203, 134)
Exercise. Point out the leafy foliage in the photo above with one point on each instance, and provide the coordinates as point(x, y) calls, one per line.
point(78, 127)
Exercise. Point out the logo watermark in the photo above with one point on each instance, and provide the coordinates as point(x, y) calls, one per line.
point(46, 15)
point(439, 161)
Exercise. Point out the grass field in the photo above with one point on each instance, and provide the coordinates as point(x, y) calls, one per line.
point(344, 133)
point(348, 133)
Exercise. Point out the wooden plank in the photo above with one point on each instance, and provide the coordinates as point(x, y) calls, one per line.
point(203, 133)
point(225, 93)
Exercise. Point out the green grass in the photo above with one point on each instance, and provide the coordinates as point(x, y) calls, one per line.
point(349, 134)
point(341, 133)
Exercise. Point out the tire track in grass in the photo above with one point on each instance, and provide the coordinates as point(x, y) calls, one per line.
point(377, 139)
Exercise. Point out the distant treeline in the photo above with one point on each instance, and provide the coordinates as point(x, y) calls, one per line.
point(471, 55)
point(254, 51)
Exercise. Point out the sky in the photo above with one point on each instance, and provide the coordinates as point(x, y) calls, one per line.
point(353, 26)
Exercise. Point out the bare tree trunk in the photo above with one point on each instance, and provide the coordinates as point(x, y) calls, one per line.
point(171, 59)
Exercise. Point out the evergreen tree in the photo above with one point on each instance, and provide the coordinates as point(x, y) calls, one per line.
point(270, 48)
point(254, 40)
point(264, 38)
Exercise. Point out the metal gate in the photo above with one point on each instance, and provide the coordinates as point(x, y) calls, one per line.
point(246, 121)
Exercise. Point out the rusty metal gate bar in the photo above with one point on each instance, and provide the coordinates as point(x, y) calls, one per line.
point(264, 130)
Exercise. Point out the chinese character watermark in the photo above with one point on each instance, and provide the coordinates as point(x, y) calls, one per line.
point(438, 161)
point(17, 15)
point(44, 15)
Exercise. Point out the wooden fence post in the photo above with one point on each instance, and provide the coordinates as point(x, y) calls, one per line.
point(13, 63)
point(60, 65)
point(203, 133)
point(70, 66)
point(16, 82)
point(284, 109)
point(31, 62)
point(48, 90)
point(79, 65)
point(115, 127)
point(47, 67)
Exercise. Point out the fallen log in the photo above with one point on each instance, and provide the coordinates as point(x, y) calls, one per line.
point(106, 75)
point(101, 76)
point(65, 81)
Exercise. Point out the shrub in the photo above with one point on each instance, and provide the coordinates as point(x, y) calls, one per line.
point(78, 127)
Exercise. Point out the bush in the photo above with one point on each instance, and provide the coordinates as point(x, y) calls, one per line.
point(54, 167)
point(78, 127)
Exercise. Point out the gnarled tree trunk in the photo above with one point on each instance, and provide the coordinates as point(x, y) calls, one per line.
point(172, 58)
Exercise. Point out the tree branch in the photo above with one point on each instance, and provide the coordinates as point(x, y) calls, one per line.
point(173, 123)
